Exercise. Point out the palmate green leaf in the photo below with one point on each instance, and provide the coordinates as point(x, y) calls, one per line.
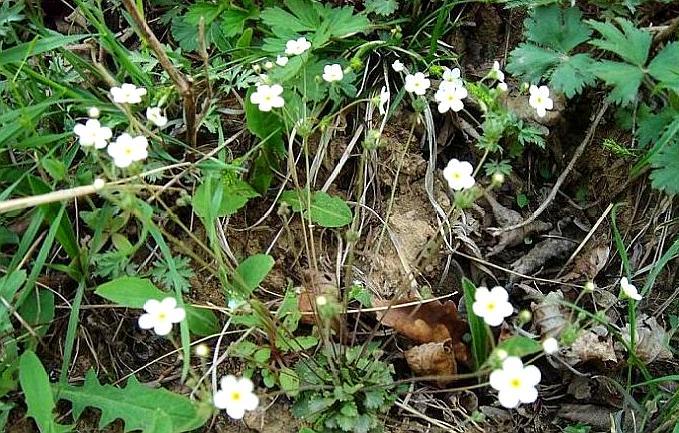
point(133, 292)
point(38, 395)
point(137, 405)
point(665, 163)
point(665, 67)
point(557, 28)
point(624, 78)
point(572, 74)
point(651, 125)
point(631, 44)
point(381, 7)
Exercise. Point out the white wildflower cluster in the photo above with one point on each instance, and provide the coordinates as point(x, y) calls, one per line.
point(125, 149)
point(235, 395)
point(450, 92)
point(497, 74)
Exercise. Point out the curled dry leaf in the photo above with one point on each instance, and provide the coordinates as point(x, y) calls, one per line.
point(548, 315)
point(590, 346)
point(506, 217)
point(425, 322)
point(589, 263)
point(433, 359)
point(651, 340)
point(551, 248)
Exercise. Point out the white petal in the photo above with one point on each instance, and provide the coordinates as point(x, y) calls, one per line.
point(532, 375)
point(457, 105)
point(505, 309)
point(276, 89)
point(512, 364)
point(466, 168)
point(443, 107)
point(498, 379)
point(146, 321)
point(163, 328)
point(541, 111)
point(468, 182)
point(177, 315)
point(544, 91)
point(168, 303)
point(221, 399)
point(528, 394)
point(245, 385)
point(250, 401)
point(151, 306)
point(533, 89)
point(235, 411)
point(494, 319)
point(481, 294)
point(228, 382)
point(508, 398)
point(122, 162)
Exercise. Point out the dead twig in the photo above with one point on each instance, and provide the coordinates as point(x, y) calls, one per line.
point(180, 81)
point(562, 177)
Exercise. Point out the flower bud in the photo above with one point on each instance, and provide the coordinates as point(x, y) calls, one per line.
point(525, 316)
point(98, 183)
point(498, 179)
point(202, 350)
point(93, 112)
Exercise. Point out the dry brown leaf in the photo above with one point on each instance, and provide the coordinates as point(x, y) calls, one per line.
point(548, 315)
point(433, 359)
point(316, 284)
point(589, 346)
point(423, 323)
point(589, 263)
point(651, 340)
point(506, 217)
point(551, 248)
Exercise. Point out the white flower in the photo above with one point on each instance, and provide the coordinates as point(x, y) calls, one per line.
point(98, 183)
point(398, 66)
point(550, 345)
point(515, 383)
point(502, 86)
point(127, 149)
point(332, 73)
point(321, 301)
point(268, 65)
point(496, 72)
point(267, 97)
point(202, 350)
point(296, 47)
point(492, 305)
point(127, 94)
point(540, 100)
point(449, 96)
point(93, 112)
point(384, 100)
point(93, 134)
point(459, 174)
point(236, 396)
point(629, 290)
point(501, 354)
point(155, 115)
point(282, 60)
point(417, 83)
point(161, 315)
point(452, 76)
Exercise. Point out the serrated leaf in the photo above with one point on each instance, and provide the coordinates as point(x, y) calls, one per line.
point(665, 67)
point(624, 78)
point(572, 74)
point(651, 125)
point(136, 405)
point(381, 7)
point(289, 381)
point(665, 161)
point(557, 28)
point(38, 395)
point(631, 44)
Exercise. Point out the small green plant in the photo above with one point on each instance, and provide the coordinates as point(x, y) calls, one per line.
point(347, 392)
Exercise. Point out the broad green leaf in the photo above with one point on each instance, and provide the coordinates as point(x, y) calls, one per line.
point(251, 272)
point(136, 405)
point(665, 174)
point(381, 7)
point(631, 44)
point(289, 381)
point(38, 395)
point(560, 29)
point(520, 346)
point(329, 211)
point(262, 356)
point(243, 349)
point(38, 310)
point(665, 67)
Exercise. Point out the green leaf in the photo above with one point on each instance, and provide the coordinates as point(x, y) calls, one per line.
point(38, 395)
point(476, 325)
point(136, 405)
point(520, 346)
point(624, 78)
point(326, 210)
point(381, 7)
point(665, 67)
point(631, 44)
point(289, 381)
point(133, 292)
point(557, 28)
point(41, 45)
point(242, 349)
point(665, 174)
point(262, 356)
point(251, 272)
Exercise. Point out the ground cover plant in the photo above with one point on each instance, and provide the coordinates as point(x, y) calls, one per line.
point(341, 216)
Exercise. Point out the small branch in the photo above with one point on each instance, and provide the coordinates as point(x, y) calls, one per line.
point(552, 194)
point(180, 81)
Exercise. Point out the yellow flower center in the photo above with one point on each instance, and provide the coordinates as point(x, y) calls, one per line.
point(128, 150)
point(162, 315)
point(515, 383)
point(539, 100)
point(235, 396)
point(490, 306)
point(456, 175)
